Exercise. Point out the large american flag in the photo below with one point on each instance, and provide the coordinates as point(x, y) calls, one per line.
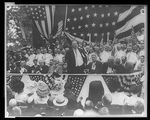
point(101, 22)
point(45, 22)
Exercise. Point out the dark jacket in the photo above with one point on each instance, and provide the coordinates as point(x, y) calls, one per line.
point(44, 69)
point(120, 69)
point(35, 69)
point(98, 68)
point(70, 59)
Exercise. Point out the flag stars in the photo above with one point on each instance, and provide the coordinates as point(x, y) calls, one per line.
point(31, 8)
point(86, 7)
point(73, 28)
point(35, 8)
point(87, 15)
point(100, 6)
point(107, 24)
point(101, 25)
point(86, 26)
point(93, 6)
point(39, 10)
point(73, 10)
point(79, 27)
point(75, 33)
point(68, 20)
point(75, 19)
point(108, 14)
point(95, 14)
point(95, 34)
point(102, 15)
point(88, 34)
point(79, 9)
point(116, 13)
point(81, 34)
point(81, 18)
point(113, 23)
point(93, 24)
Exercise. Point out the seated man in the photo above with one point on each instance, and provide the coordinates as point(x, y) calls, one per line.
point(35, 68)
point(107, 67)
point(95, 66)
point(43, 68)
point(118, 67)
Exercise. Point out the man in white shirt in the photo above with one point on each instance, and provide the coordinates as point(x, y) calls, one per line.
point(104, 56)
point(120, 52)
point(131, 56)
point(31, 58)
point(39, 56)
point(58, 57)
point(76, 59)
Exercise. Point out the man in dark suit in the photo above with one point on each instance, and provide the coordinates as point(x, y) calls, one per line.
point(95, 66)
point(35, 68)
point(128, 67)
point(76, 59)
point(119, 68)
point(43, 68)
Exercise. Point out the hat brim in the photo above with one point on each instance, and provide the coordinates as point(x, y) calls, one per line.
point(61, 104)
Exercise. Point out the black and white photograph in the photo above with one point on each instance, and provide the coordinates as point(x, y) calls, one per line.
point(75, 60)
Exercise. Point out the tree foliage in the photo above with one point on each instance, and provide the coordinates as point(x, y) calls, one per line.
point(14, 16)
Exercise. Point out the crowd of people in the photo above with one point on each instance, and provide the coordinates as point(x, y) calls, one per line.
point(21, 104)
point(116, 57)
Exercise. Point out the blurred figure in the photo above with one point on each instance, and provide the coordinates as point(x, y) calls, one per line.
point(16, 111)
point(119, 68)
point(95, 66)
point(105, 55)
point(104, 111)
point(106, 100)
point(35, 68)
point(131, 56)
point(43, 68)
point(58, 56)
point(72, 103)
point(78, 113)
point(90, 114)
point(119, 52)
point(88, 105)
point(12, 103)
point(140, 63)
point(128, 67)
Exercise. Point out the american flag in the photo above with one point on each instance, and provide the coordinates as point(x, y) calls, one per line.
point(126, 81)
point(42, 17)
point(45, 22)
point(102, 22)
point(37, 77)
point(77, 82)
point(12, 77)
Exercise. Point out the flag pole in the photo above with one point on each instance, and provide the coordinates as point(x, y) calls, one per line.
point(65, 17)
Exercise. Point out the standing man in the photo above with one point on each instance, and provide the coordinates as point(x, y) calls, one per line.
point(76, 59)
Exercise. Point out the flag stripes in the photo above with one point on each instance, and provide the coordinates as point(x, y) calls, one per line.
point(128, 32)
